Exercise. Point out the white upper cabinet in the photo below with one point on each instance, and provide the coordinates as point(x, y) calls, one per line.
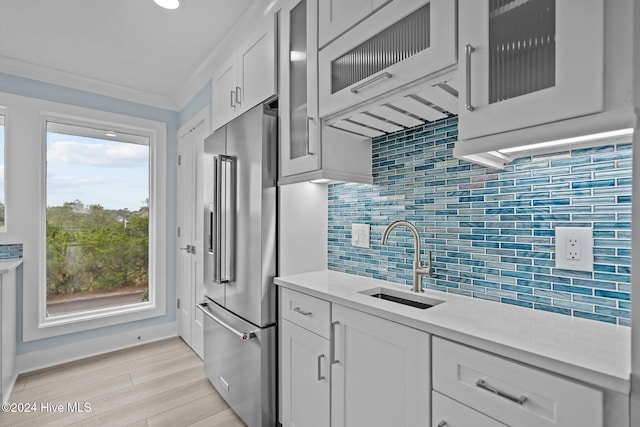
point(338, 16)
point(224, 93)
point(248, 77)
point(298, 102)
point(308, 150)
point(401, 43)
point(528, 62)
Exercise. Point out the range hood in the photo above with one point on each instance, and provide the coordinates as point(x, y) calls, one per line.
point(436, 99)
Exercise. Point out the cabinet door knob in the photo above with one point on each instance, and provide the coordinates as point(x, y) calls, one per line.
point(442, 423)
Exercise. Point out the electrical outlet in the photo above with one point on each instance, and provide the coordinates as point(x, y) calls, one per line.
point(574, 248)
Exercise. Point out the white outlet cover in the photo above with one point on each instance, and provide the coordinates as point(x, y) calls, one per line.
point(360, 235)
point(584, 237)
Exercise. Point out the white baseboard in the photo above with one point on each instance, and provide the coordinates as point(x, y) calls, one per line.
point(39, 359)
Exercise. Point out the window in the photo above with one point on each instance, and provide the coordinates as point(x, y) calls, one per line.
point(97, 219)
point(2, 174)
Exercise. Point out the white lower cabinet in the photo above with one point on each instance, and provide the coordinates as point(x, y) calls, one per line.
point(372, 372)
point(449, 413)
point(305, 377)
point(8, 333)
point(511, 393)
point(341, 367)
point(379, 372)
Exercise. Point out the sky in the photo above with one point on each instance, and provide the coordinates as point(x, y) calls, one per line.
point(114, 175)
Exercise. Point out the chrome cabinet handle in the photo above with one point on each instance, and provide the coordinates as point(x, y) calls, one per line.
point(333, 359)
point(238, 95)
point(442, 423)
point(233, 103)
point(301, 311)
point(244, 336)
point(320, 376)
point(468, 50)
point(309, 152)
point(485, 386)
point(371, 81)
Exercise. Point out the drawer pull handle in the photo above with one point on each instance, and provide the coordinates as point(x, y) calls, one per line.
point(371, 81)
point(301, 311)
point(483, 385)
point(442, 423)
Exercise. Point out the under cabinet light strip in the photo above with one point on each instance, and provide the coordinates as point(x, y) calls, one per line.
point(567, 141)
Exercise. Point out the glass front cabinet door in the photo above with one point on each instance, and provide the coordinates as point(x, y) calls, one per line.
point(299, 127)
point(527, 62)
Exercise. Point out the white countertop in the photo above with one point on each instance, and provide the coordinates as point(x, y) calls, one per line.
point(6, 265)
point(594, 352)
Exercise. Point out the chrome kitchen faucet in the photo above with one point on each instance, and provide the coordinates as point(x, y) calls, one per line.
point(418, 269)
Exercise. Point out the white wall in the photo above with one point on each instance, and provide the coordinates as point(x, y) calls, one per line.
point(25, 196)
point(302, 228)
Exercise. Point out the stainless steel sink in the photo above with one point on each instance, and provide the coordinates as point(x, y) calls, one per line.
point(400, 297)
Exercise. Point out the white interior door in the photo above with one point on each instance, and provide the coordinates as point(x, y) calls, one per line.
point(190, 221)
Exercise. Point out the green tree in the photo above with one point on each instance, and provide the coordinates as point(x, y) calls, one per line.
point(90, 248)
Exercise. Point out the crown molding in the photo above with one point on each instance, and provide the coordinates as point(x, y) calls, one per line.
point(62, 78)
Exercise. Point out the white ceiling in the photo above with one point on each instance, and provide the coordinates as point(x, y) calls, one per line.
point(133, 44)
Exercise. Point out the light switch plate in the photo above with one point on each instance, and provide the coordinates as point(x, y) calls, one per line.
point(574, 248)
point(360, 235)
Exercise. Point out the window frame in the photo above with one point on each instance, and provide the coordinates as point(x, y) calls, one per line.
point(48, 326)
point(3, 123)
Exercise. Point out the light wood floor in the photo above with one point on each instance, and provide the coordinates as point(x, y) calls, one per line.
point(157, 384)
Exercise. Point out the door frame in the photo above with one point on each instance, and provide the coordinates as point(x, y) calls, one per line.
point(192, 292)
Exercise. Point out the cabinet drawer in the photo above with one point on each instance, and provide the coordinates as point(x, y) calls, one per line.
point(449, 413)
point(510, 392)
point(306, 311)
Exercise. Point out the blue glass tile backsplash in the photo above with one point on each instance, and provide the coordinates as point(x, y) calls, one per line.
point(9, 251)
point(491, 232)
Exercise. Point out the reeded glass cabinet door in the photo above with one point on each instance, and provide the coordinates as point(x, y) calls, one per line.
point(299, 100)
point(528, 62)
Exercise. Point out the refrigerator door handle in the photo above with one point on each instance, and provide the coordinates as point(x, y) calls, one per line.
point(244, 336)
point(209, 225)
point(224, 212)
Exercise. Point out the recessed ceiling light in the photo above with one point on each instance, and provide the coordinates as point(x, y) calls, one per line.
point(111, 134)
point(169, 4)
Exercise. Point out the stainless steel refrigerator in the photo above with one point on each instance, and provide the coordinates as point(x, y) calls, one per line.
point(240, 223)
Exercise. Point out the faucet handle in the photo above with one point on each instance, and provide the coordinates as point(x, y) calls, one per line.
point(426, 270)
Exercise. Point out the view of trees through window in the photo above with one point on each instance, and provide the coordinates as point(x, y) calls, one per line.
point(97, 229)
